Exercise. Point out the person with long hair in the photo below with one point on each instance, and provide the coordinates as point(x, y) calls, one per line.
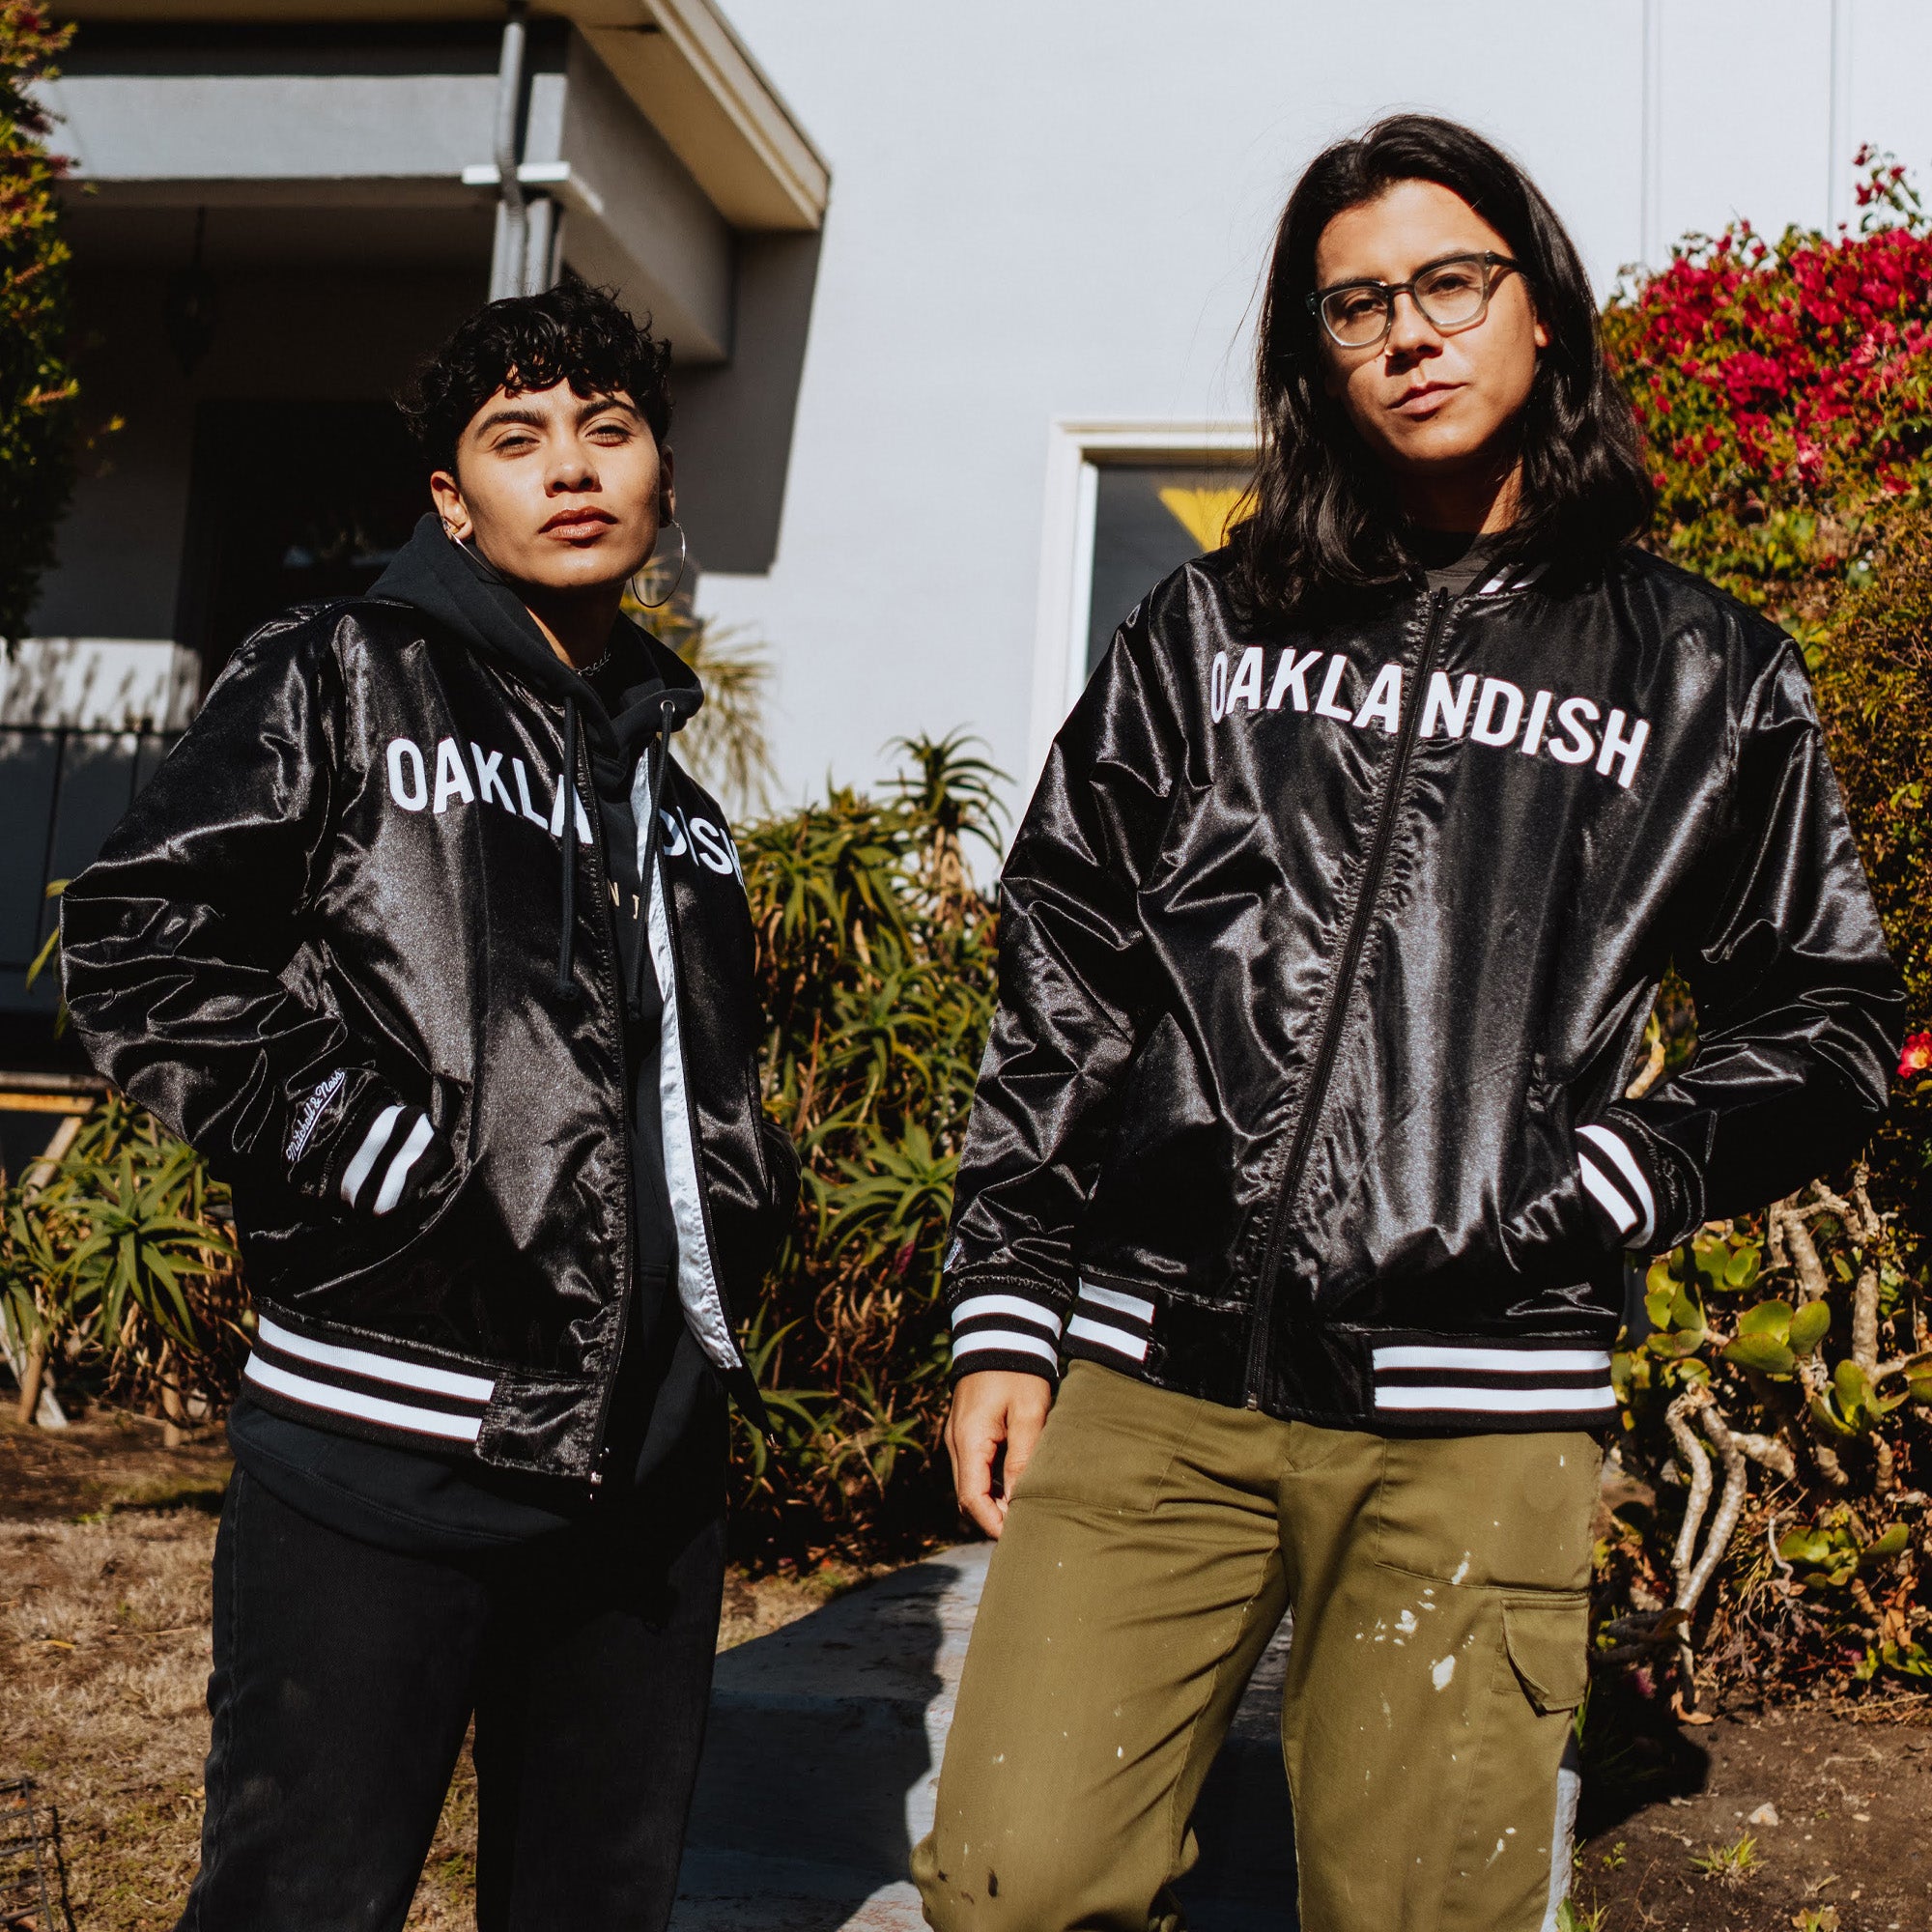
point(426, 942)
point(1291, 1237)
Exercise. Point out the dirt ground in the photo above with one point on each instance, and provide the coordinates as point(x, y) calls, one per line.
point(106, 1542)
point(1810, 1816)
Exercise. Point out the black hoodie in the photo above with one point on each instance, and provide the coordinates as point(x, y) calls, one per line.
point(666, 1392)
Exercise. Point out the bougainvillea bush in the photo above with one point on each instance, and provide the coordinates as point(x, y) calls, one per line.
point(1769, 1522)
point(1785, 388)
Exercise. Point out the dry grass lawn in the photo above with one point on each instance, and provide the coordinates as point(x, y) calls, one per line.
point(104, 1657)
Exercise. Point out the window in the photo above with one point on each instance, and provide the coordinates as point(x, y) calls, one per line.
point(1148, 519)
point(1126, 504)
point(348, 488)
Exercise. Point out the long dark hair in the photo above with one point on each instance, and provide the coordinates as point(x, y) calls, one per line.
point(1324, 521)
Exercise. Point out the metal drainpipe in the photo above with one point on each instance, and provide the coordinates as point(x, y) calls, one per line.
point(513, 221)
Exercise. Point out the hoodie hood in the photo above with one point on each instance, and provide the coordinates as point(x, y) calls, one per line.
point(450, 583)
point(456, 588)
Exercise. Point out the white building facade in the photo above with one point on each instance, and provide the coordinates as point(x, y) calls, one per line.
point(962, 298)
point(1048, 224)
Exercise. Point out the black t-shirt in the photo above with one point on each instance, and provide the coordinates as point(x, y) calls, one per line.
point(423, 1502)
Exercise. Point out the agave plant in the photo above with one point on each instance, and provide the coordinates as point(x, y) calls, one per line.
point(117, 1253)
point(876, 964)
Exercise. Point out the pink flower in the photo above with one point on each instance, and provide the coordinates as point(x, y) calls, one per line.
point(1916, 1057)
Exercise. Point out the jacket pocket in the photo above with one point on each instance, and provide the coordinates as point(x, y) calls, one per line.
point(1548, 1640)
point(1553, 1227)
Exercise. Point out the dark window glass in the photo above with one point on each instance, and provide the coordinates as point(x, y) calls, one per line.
point(1148, 519)
point(290, 503)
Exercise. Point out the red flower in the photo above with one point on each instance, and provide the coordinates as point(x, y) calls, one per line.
point(1916, 1057)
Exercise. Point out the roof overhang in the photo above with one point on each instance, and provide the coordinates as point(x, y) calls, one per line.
point(679, 62)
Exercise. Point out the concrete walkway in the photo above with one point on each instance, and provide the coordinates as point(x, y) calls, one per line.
point(823, 1755)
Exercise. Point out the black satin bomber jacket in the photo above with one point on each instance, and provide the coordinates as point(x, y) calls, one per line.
point(1325, 956)
point(344, 888)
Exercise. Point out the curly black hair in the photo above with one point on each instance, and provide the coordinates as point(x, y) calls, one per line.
point(572, 333)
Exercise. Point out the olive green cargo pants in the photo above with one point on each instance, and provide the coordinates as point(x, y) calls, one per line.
point(1439, 1656)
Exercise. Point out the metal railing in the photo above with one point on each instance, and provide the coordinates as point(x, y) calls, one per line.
point(63, 789)
point(29, 1876)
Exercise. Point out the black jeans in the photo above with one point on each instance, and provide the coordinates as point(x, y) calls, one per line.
point(344, 1679)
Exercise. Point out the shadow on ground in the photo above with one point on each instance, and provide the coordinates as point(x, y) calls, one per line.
point(822, 1758)
point(818, 1764)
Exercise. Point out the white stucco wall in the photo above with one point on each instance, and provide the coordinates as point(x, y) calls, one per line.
point(1052, 209)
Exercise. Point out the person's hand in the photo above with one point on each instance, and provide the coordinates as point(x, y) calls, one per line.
point(995, 1409)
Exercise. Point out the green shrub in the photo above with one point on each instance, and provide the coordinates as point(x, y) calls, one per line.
point(876, 965)
point(117, 1261)
point(1775, 1421)
point(38, 391)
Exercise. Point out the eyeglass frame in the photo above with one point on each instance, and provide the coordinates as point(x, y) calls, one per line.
point(1494, 267)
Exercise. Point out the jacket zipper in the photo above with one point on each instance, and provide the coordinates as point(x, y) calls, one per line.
point(1339, 990)
point(740, 1382)
point(601, 890)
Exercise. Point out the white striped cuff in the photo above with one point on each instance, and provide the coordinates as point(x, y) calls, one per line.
point(1118, 1324)
point(376, 1143)
point(1005, 1340)
point(1632, 1204)
point(406, 1155)
point(369, 1153)
point(995, 1324)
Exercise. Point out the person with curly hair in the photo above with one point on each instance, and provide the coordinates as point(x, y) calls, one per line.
point(422, 937)
point(1289, 1250)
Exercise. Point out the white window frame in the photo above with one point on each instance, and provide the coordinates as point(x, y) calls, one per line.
point(1077, 448)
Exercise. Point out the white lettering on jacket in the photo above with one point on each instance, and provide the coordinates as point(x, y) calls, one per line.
point(411, 785)
point(310, 1113)
point(1479, 710)
point(412, 793)
point(714, 851)
point(1290, 679)
point(451, 779)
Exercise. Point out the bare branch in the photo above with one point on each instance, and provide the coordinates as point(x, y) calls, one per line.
point(1870, 1223)
point(1697, 1468)
point(1693, 1572)
point(1789, 1220)
point(1775, 1454)
point(1864, 1319)
point(1730, 1505)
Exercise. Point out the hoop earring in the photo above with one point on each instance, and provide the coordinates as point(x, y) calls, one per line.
point(683, 553)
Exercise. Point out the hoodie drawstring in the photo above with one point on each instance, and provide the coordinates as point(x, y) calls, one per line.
point(672, 710)
point(566, 801)
point(646, 874)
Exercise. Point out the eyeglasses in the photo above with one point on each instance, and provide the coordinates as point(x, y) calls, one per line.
point(1452, 294)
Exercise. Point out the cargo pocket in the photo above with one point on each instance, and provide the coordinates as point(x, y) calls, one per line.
point(1549, 1650)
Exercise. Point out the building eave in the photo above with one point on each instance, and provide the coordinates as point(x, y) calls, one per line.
point(678, 60)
